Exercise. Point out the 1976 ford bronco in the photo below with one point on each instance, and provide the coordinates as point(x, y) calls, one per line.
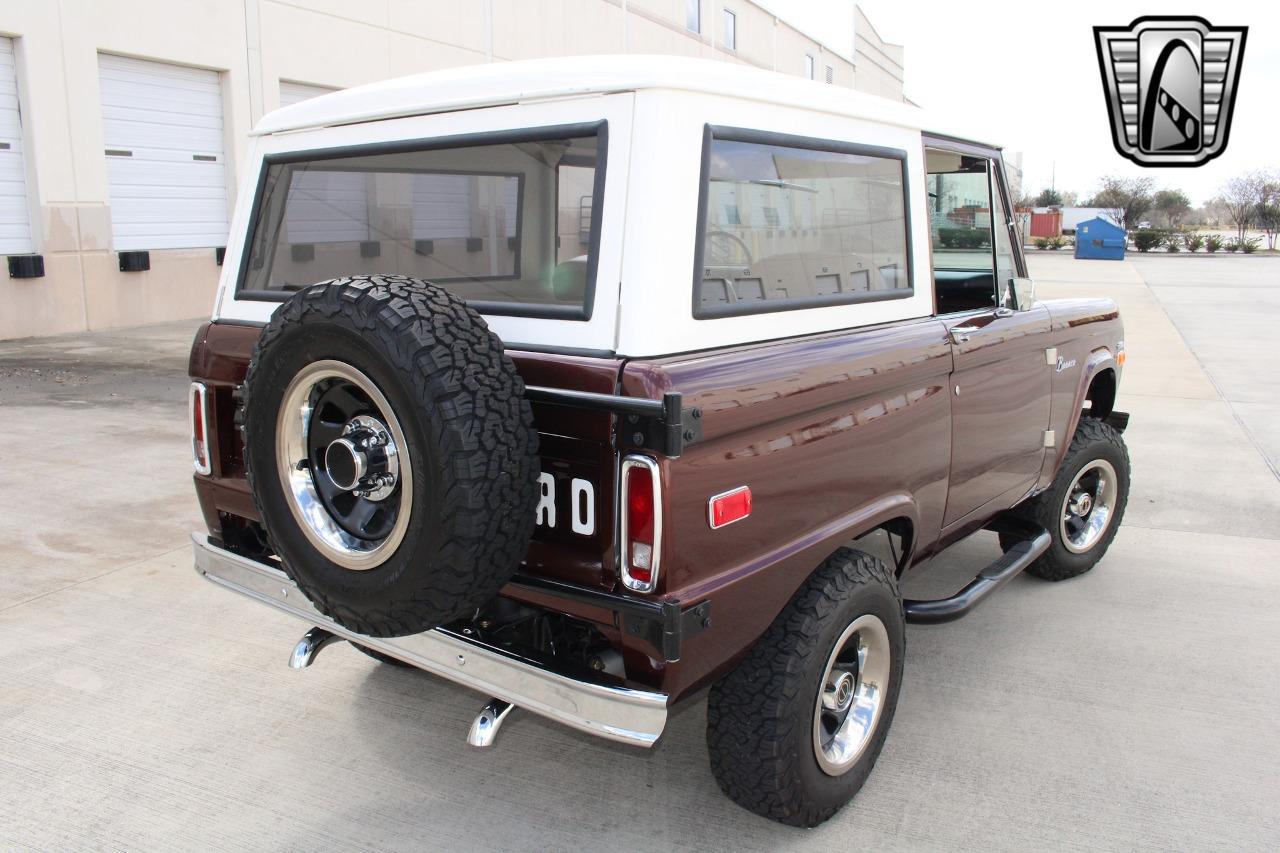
point(583, 383)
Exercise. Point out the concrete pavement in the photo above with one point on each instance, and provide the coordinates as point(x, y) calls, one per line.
point(1133, 708)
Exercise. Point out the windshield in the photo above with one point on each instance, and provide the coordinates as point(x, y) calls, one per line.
point(510, 227)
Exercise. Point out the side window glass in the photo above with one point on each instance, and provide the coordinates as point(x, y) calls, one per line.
point(959, 196)
point(510, 227)
point(1006, 264)
point(796, 227)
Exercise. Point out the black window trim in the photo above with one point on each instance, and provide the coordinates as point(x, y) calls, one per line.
point(598, 129)
point(996, 156)
point(999, 182)
point(787, 140)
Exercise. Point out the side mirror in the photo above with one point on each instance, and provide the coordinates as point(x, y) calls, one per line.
point(1024, 292)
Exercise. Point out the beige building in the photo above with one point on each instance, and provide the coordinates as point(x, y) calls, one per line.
point(122, 122)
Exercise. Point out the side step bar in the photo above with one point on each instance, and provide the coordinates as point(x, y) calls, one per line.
point(1033, 542)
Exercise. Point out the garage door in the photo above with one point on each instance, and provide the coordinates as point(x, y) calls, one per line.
point(15, 222)
point(166, 169)
point(296, 93)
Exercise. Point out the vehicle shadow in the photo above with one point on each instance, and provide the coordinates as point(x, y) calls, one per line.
point(544, 786)
point(540, 785)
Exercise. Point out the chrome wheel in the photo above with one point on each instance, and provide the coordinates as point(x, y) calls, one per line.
point(1089, 506)
point(854, 689)
point(339, 456)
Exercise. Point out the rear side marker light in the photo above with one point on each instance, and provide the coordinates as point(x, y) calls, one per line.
point(199, 407)
point(641, 491)
point(728, 507)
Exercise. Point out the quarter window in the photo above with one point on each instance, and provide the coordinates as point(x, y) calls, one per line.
point(730, 30)
point(508, 226)
point(799, 223)
point(693, 15)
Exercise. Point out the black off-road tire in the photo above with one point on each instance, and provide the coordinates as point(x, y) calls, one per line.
point(469, 434)
point(760, 716)
point(1093, 440)
point(381, 658)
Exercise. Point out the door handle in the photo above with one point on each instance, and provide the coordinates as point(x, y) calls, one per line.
point(960, 334)
point(1004, 312)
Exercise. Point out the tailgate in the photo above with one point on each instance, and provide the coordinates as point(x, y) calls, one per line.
point(574, 537)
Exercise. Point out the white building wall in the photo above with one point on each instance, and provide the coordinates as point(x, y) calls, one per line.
point(253, 46)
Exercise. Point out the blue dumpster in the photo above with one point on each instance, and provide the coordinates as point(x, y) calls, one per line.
point(1100, 239)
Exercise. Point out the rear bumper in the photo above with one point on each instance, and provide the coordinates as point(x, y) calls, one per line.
point(621, 714)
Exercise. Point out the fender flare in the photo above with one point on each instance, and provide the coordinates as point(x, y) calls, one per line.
point(818, 543)
point(1099, 360)
point(803, 554)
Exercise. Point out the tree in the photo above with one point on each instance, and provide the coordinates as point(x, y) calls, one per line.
point(1126, 199)
point(1212, 213)
point(1268, 210)
point(1174, 204)
point(1048, 197)
point(1240, 201)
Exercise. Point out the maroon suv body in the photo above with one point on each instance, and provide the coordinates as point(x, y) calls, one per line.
point(857, 352)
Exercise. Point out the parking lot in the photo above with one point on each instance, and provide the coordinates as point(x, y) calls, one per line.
point(1133, 708)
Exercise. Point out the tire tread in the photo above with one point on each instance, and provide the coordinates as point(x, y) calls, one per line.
point(1056, 564)
point(475, 414)
point(759, 715)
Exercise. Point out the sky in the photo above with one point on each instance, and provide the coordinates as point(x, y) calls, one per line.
point(1025, 75)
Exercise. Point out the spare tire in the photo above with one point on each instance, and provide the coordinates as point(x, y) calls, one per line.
point(390, 452)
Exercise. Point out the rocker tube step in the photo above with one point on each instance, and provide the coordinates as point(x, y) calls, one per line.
point(1010, 564)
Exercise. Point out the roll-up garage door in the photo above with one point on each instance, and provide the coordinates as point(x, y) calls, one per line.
point(296, 93)
point(15, 221)
point(166, 167)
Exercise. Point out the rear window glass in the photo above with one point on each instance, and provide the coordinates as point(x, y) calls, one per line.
point(799, 225)
point(510, 227)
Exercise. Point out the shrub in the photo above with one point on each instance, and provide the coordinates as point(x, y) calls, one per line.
point(1193, 242)
point(1231, 245)
point(1172, 243)
point(1248, 245)
point(1212, 243)
point(1041, 242)
point(1057, 242)
point(964, 238)
point(1145, 240)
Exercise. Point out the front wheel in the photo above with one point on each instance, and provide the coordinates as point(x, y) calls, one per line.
point(1083, 507)
point(796, 728)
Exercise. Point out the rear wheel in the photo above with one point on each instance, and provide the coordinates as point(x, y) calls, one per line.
point(1083, 506)
point(796, 728)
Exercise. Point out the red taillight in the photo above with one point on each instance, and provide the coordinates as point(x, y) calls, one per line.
point(728, 507)
point(200, 428)
point(641, 523)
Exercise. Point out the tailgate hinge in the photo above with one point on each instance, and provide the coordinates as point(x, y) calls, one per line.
point(669, 632)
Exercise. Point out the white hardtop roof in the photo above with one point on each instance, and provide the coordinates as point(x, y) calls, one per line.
point(497, 83)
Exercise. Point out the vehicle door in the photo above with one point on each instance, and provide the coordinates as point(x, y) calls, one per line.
point(1001, 378)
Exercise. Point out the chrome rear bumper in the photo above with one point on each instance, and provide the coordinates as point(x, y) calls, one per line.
point(629, 716)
